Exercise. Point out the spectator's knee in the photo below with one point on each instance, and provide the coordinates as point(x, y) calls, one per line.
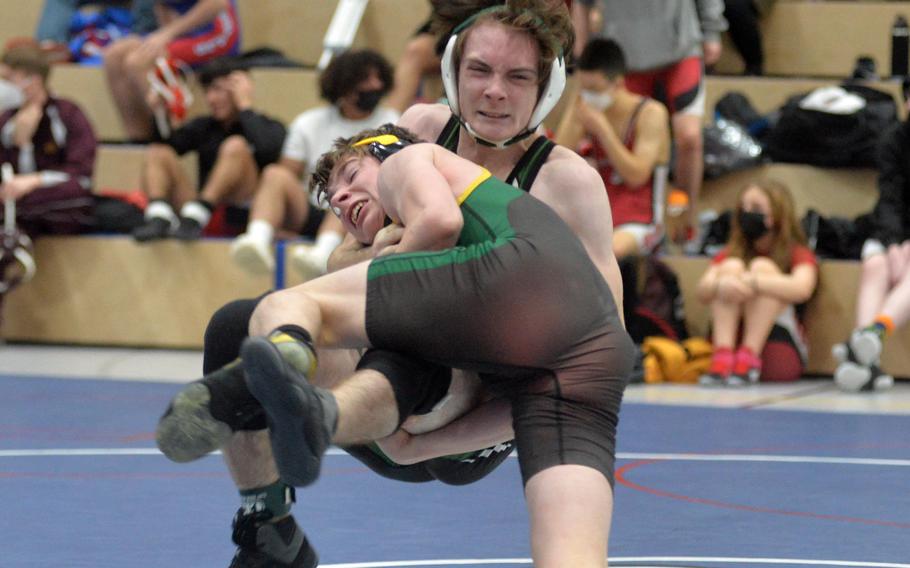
point(688, 139)
point(234, 147)
point(160, 152)
point(876, 267)
point(136, 64)
point(732, 266)
point(114, 57)
point(421, 50)
point(275, 174)
point(763, 265)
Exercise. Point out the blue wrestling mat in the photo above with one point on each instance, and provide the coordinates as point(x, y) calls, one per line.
point(82, 486)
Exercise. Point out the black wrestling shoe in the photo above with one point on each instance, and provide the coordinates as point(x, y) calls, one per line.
point(301, 418)
point(204, 415)
point(261, 544)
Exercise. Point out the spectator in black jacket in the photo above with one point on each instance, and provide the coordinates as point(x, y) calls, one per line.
point(883, 304)
point(233, 142)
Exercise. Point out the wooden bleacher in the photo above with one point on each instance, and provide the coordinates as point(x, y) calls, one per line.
point(823, 39)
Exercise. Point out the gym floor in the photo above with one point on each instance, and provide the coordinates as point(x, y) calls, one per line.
point(772, 475)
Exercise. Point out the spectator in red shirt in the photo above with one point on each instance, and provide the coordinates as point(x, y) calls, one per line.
point(753, 287)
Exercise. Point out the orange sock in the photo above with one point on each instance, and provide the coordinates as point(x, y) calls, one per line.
point(886, 323)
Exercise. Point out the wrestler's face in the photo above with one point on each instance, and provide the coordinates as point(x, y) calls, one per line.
point(353, 193)
point(497, 80)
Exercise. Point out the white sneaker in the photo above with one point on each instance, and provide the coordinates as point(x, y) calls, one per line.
point(840, 352)
point(308, 262)
point(866, 347)
point(252, 254)
point(851, 377)
point(855, 378)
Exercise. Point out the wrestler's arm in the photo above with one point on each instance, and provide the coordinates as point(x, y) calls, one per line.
point(416, 194)
point(484, 426)
point(576, 192)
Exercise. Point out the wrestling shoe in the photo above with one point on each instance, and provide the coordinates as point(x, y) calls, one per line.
point(853, 377)
point(261, 544)
point(252, 254)
point(202, 417)
point(301, 417)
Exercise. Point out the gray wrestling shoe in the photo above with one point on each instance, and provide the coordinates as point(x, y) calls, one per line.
point(271, 545)
point(301, 417)
point(204, 415)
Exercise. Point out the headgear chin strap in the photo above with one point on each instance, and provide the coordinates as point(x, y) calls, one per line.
point(556, 84)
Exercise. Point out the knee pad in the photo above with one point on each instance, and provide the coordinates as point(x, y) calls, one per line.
point(418, 384)
point(226, 330)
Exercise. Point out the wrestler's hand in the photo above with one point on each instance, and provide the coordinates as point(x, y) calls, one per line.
point(395, 446)
point(387, 239)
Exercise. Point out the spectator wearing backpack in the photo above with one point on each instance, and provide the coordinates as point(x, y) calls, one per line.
point(753, 287)
point(883, 304)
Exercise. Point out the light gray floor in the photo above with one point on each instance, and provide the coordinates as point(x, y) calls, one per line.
point(100, 363)
point(183, 366)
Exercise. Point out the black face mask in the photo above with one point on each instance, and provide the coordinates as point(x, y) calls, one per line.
point(368, 100)
point(752, 225)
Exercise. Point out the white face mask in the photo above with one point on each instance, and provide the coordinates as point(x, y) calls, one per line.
point(601, 100)
point(11, 96)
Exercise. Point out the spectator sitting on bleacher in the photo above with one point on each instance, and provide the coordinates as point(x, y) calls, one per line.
point(352, 84)
point(753, 286)
point(233, 143)
point(627, 137)
point(192, 31)
point(51, 146)
point(667, 44)
point(883, 303)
